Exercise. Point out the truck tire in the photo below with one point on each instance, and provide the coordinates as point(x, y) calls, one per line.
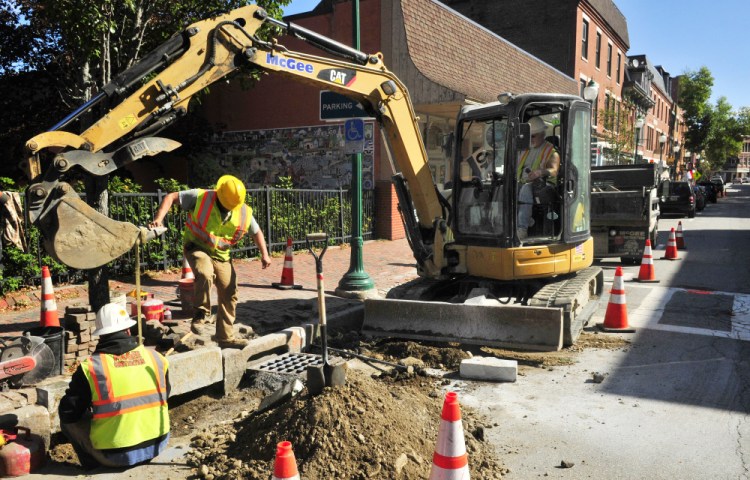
point(654, 237)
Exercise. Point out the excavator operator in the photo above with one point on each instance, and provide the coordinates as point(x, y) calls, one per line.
point(540, 161)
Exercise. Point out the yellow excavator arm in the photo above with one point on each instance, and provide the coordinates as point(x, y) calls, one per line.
point(203, 53)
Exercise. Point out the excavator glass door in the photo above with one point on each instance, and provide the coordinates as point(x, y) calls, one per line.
point(479, 187)
point(577, 167)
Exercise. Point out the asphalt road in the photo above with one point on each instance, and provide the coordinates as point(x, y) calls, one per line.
point(675, 403)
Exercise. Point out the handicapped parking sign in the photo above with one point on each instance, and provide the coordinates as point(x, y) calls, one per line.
point(354, 136)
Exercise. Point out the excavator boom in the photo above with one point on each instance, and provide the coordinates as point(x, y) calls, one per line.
point(202, 54)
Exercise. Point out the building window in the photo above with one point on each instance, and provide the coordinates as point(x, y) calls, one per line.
point(583, 85)
point(619, 63)
point(609, 59)
point(585, 40)
point(597, 59)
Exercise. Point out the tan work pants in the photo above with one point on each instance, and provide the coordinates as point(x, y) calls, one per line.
point(208, 272)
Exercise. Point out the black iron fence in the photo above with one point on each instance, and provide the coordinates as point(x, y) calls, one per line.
point(281, 213)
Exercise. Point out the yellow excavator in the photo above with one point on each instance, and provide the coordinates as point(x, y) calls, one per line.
point(481, 281)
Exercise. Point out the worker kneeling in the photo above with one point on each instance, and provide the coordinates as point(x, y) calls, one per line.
point(115, 409)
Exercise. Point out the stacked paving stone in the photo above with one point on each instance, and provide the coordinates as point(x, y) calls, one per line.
point(79, 322)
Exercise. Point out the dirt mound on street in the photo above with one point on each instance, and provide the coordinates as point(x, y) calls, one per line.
point(382, 428)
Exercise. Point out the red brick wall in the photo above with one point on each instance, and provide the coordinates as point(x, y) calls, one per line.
point(388, 224)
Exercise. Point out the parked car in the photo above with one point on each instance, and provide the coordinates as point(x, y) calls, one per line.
point(676, 198)
point(710, 190)
point(700, 198)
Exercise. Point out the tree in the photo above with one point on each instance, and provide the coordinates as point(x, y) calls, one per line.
point(694, 93)
point(723, 140)
point(55, 54)
point(618, 134)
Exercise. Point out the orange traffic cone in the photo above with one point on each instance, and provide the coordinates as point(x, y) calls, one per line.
point(616, 318)
point(48, 316)
point(287, 274)
point(671, 252)
point(646, 274)
point(187, 272)
point(450, 461)
point(680, 240)
point(285, 466)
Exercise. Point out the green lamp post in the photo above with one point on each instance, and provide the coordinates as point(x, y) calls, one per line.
point(356, 282)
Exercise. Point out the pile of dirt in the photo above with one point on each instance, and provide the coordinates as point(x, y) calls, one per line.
point(383, 427)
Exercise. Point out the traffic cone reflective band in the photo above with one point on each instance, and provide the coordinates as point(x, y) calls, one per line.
point(450, 461)
point(646, 273)
point(287, 274)
point(671, 253)
point(616, 318)
point(49, 316)
point(187, 272)
point(679, 239)
point(285, 466)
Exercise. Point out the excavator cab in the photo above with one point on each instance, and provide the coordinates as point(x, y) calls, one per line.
point(493, 141)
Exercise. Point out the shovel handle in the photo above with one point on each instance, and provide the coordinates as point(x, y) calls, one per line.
point(184, 337)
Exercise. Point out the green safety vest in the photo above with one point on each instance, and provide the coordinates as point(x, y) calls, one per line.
point(206, 228)
point(545, 154)
point(129, 397)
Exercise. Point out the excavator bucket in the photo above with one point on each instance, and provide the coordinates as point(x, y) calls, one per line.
point(505, 326)
point(79, 236)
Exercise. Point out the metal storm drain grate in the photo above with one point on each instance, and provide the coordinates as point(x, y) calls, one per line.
point(288, 363)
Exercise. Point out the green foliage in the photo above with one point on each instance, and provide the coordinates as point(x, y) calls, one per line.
point(170, 185)
point(122, 185)
point(694, 94)
point(7, 184)
point(724, 140)
point(619, 134)
point(19, 267)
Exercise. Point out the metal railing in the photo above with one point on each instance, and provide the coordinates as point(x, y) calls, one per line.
point(280, 213)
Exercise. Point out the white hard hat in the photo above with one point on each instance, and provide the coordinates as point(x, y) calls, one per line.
point(112, 318)
point(537, 125)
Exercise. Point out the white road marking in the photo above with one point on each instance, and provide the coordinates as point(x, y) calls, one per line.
point(651, 309)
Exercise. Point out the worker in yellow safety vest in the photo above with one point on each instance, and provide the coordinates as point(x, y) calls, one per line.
point(540, 161)
point(114, 411)
point(217, 220)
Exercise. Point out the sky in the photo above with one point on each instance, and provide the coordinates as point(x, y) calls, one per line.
point(681, 36)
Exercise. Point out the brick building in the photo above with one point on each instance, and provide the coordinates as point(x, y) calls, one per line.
point(444, 59)
point(586, 39)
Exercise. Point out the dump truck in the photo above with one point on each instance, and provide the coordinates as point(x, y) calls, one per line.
point(624, 210)
point(481, 282)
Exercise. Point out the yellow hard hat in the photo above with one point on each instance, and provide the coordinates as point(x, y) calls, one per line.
point(231, 191)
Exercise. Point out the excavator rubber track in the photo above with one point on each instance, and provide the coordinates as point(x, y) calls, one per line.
point(551, 318)
point(578, 295)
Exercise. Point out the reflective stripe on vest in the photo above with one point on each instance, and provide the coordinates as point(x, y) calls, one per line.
point(129, 397)
point(204, 224)
point(545, 154)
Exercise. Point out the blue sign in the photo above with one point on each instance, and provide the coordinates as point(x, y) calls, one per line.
point(354, 136)
point(334, 106)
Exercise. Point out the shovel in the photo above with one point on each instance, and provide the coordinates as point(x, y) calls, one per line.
point(325, 375)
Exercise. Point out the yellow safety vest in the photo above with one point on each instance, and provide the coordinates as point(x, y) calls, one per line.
point(129, 397)
point(544, 155)
point(206, 228)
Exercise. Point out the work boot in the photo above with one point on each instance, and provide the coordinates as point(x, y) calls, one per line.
point(233, 343)
point(522, 233)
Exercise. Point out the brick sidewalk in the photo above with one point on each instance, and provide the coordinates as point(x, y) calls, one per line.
point(388, 263)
